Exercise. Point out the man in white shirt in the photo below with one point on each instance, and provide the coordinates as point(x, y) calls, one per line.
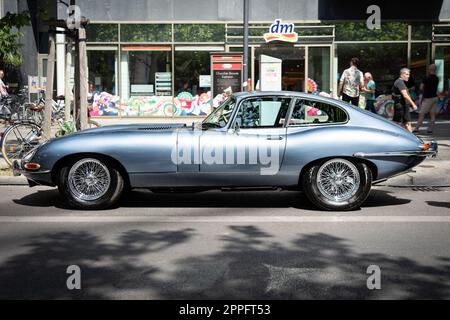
point(351, 83)
point(3, 87)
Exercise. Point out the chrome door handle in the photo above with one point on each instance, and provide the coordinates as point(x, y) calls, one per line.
point(275, 138)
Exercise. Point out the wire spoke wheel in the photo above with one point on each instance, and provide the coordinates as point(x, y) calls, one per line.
point(18, 140)
point(89, 179)
point(338, 180)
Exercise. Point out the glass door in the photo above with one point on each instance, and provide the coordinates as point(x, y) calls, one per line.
point(318, 69)
point(293, 65)
point(441, 57)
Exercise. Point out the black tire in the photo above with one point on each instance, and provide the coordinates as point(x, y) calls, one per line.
point(319, 199)
point(111, 194)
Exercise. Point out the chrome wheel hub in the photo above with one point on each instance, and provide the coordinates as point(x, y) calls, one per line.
point(338, 180)
point(89, 179)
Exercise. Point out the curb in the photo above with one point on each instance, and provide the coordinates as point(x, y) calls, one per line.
point(13, 181)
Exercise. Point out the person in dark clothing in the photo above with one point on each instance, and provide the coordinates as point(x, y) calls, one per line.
point(429, 88)
point(401, 97)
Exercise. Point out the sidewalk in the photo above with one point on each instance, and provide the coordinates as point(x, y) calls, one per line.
point(431, 173)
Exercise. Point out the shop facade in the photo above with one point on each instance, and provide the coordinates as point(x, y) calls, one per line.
point(163, 68)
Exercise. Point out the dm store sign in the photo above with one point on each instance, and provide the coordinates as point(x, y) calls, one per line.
point(280, 31)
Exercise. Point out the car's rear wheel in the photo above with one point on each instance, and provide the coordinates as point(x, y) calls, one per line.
point(338, 184)
point(90, 184)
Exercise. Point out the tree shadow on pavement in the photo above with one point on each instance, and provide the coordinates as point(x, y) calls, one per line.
point(212, 199)
point(248, 264)
point(439, 204)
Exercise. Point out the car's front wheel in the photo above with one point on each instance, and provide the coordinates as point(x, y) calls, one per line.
point(90, 184)
point(338, 184)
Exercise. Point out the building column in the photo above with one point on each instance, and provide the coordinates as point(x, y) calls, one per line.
point(60, 63)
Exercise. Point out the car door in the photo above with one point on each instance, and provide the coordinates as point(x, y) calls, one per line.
point(254, 144)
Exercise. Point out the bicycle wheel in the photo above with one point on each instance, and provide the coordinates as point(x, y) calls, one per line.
point(18, 139)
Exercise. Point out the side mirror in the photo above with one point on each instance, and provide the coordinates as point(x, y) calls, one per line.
point(237, 128)
point(197, 126)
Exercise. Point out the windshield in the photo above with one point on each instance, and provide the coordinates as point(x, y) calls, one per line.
point(220, 117)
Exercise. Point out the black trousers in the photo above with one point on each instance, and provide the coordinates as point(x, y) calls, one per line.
point(353, 100)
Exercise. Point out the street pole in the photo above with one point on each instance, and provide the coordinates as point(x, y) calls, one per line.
point(245, 62)
point(47, 129)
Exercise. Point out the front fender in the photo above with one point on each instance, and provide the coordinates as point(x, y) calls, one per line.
point(137, 151)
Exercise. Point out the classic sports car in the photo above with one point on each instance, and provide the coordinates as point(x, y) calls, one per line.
point(331, 150)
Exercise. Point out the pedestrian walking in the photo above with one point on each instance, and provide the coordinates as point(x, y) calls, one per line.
point(429, 88)
point(369, 92)
point(351, 83)
point(400, 95)
point(3, 87)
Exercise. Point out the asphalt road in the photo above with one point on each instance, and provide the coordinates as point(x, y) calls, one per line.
point(232, 245)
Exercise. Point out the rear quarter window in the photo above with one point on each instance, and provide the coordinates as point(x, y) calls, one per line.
point(310, 112)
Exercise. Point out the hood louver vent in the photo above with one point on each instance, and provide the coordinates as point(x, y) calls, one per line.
point(156, 128)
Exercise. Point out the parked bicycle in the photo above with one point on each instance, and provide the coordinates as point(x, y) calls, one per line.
point(24, 122)
point(36, 110)
point(18, 139)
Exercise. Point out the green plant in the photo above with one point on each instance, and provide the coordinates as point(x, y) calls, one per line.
point(66, 128)
point(10, 36)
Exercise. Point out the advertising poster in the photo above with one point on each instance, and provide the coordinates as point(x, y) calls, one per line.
point(205, 81)
point(226, 73)
point(33, 84)
point(271, 73)
point(43, 83)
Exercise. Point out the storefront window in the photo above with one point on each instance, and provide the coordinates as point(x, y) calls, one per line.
point(419, 60)
point(192, 72)
point(383, 60)
point(358, 31)
point(150, 73)
point(421, 31)
point(146, 33)
point(442, 62)
point(102, 71)
point(199, 32)
point(319, 67)
point(102, 33)
point(240, 50)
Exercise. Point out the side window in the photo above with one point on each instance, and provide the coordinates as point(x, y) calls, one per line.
point(313, 112)
point(263, 112)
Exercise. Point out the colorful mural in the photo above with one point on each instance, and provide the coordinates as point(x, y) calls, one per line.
point(384, 106)
point(106, 104)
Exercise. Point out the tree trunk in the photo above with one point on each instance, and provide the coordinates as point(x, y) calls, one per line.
point(84, 81)
point(68, 89)
point(47, 129)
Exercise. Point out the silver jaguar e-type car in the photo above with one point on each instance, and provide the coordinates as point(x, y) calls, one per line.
point(331, 150)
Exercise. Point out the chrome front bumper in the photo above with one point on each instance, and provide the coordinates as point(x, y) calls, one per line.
point(34, 178)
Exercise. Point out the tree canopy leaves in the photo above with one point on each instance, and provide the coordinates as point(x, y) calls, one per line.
point(10, 36)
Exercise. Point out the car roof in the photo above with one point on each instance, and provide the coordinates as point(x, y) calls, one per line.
point(243, 95)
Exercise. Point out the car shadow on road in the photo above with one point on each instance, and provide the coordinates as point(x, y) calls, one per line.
point(249, 263)
point(211, 199)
